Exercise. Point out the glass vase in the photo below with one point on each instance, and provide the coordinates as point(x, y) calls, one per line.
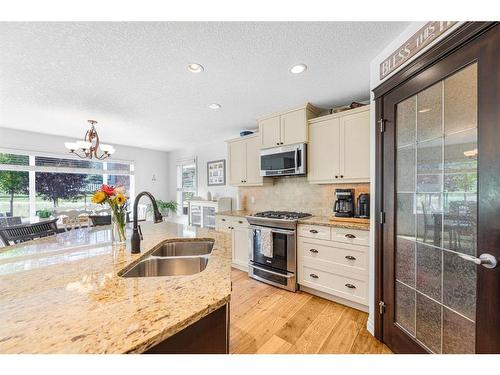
point(118, 228)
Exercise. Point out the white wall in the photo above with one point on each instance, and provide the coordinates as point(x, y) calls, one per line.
point(210, 151)
point(146, 162)
point(374, 82)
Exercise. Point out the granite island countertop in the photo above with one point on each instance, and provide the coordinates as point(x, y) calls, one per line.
point(63, 295)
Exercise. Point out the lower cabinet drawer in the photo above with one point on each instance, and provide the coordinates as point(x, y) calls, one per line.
point(352, 236)
point(350, 288)
point(351, 258)
point(223, 224)
point(314, 231)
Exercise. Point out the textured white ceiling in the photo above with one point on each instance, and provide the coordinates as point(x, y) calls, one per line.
point(132, 77)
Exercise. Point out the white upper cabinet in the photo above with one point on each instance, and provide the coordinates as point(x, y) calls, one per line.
point(355, 147)
point(270, 132)
point(252, 160)
point(237, 167)
point(244, 161)
point(323, 152)
point(339, 147)
point(286, 128)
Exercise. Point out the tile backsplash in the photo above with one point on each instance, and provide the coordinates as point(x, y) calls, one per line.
point(294, 194)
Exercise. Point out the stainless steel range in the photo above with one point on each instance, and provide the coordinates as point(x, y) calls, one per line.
point(273, 250)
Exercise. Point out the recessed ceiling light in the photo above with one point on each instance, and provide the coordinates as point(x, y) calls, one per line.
point(299, 68)
point(214, 106)
point(195, 68)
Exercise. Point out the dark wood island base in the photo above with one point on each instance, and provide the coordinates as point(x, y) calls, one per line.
point(209, 335)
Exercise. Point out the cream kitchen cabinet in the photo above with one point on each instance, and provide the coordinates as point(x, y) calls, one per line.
point(244, 161)
point(240, 238)
point(286, 128)
point(339, 147)
point(333, 263)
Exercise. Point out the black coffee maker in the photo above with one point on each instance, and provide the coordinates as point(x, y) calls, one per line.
point(344, 205)
point(363, 206)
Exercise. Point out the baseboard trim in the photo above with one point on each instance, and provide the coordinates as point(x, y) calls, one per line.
point(240, 267)
point(370, 326)
point(333, 298)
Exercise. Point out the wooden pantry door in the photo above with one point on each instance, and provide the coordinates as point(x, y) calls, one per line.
point(440, 193)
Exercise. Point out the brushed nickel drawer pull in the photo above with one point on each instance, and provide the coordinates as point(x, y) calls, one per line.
point(313, 231)
point(350, 257)
point(350, 286)
point(314, 276)
point(349, 235)
point(314, 251)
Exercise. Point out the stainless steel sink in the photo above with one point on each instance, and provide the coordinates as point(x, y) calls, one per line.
point(183, 248)
point(152, 267)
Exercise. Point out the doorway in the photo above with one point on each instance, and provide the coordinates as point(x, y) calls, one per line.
point(439, 191)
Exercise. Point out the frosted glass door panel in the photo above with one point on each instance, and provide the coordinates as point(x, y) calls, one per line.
point(436, 214)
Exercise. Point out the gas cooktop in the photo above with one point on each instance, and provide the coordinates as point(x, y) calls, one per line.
point(282, 215)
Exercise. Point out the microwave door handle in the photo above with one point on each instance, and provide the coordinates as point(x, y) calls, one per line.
point(297, 159)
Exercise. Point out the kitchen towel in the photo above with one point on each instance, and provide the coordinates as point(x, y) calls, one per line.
point(266, 242)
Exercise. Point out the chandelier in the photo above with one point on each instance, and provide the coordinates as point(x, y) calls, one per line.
point(90, 147)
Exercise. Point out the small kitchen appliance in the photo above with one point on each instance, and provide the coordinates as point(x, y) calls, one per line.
point(273, 250)
point(363, 206)
point(344, 204)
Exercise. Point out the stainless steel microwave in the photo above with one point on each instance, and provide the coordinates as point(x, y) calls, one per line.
point(287, 160)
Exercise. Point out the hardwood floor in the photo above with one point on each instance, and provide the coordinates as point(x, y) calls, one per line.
point(269, 320)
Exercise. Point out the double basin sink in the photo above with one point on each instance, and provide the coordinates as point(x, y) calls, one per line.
point(173, 258)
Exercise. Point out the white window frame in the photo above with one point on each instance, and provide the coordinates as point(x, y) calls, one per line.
point(32, 169)
point(179, 189)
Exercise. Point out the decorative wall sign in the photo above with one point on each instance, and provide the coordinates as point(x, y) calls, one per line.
point(216, 173)
point(429, 32)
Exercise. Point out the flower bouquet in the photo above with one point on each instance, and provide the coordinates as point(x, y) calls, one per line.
point(116, 199)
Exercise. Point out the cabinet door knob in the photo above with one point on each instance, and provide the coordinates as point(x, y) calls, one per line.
point(349, 235)
point(277, 143)
point(313, 231)
point(239, 221)
point(314, 276)
point(350, 257)
point(350, 286)
point(314, 251)
point(336, 176)
point(341, 176)
point(223, 219)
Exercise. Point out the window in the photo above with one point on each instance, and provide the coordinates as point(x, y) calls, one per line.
point(187, 183)
point(30, 183)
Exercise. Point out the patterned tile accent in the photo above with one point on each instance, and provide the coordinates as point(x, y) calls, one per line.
point(294, 194)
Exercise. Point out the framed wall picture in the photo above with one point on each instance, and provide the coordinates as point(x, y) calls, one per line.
point(216, 172)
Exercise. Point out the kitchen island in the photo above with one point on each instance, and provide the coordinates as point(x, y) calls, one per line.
point(63, 294)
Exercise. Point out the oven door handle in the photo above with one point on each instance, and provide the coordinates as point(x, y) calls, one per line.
point(288, 276)
point(274, 230)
